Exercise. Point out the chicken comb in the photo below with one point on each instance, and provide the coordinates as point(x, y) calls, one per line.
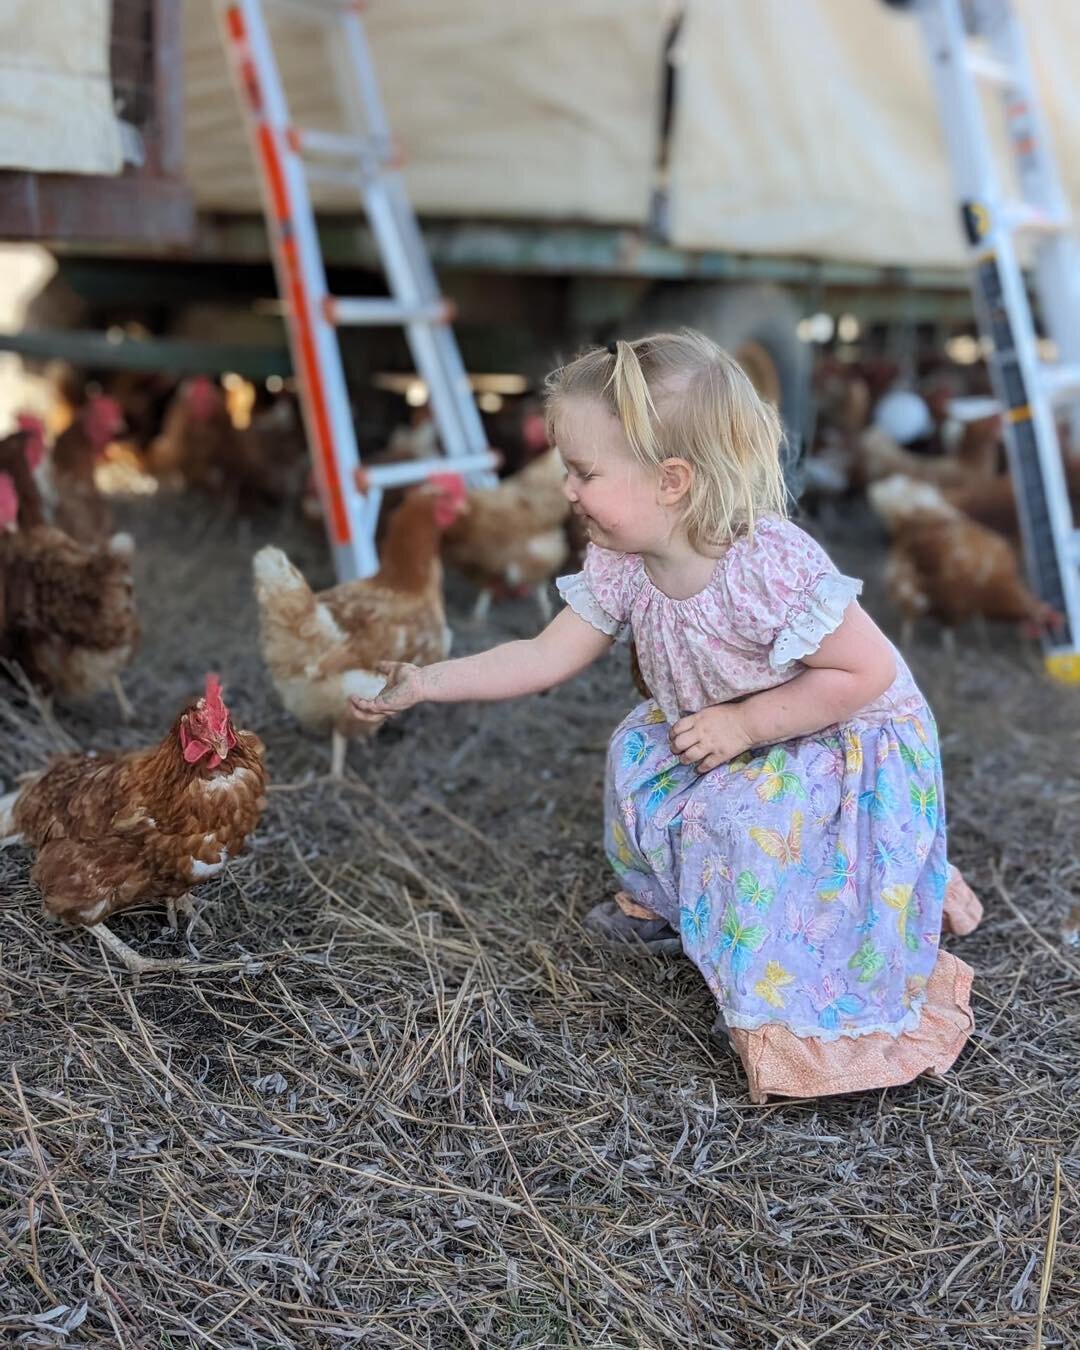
point(33, 427)
point(451, 484)
point(103, 417)
point(215, 704)
point(9, 501)
point(31, 422)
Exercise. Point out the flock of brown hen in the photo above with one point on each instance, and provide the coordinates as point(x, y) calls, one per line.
point(113, 831)
point(949, 507)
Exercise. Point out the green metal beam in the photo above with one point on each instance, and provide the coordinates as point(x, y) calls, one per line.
point(559, 249)
point(173, 356)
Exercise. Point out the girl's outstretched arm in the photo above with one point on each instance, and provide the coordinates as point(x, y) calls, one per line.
point(565, 647)
point(852, 667)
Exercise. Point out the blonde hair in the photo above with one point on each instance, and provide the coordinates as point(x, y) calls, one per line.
point(680, 396)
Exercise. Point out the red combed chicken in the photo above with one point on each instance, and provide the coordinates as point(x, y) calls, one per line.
point(116, 830)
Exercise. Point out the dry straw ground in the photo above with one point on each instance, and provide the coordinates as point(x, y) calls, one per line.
point(419, 1109)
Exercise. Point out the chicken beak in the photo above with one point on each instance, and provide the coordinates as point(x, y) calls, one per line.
point(221, 747)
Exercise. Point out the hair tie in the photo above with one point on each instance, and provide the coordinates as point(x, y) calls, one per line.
point(613, 348)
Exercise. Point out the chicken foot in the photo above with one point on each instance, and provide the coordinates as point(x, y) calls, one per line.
point(186, 906)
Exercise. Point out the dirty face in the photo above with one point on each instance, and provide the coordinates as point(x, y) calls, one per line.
point(614, 494)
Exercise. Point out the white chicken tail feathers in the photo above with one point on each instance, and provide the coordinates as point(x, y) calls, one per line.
point(7, 819)
point(898, 498)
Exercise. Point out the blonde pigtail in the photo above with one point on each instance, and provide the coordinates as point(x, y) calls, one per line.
point(633, 401)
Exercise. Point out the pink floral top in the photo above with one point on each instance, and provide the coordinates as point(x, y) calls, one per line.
point(771, 600)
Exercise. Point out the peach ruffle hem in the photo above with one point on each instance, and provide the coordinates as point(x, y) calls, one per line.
point(780, 1064)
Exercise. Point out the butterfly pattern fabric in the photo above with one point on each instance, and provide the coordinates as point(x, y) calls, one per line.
point(805, 879)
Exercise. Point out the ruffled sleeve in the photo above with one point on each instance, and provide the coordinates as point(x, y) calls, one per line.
point(599, 593)
point(785, 593)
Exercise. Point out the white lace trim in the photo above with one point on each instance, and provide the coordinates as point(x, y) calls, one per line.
point(819, 1033)
point(575, 591)
point(819, 613)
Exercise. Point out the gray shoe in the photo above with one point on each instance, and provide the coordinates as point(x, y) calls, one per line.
point(609, 925)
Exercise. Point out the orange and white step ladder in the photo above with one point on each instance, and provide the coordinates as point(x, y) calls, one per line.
point(288, 157)
point(970, 44)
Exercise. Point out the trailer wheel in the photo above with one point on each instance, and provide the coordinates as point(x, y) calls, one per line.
point(757, 325)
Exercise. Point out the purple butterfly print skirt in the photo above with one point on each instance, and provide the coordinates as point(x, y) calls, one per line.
point(806, 879)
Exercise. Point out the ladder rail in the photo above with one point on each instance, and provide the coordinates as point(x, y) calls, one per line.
point(393, 220)
point(289, 159)
point(1057, 258)
point(301, 275)
point(1022, 383)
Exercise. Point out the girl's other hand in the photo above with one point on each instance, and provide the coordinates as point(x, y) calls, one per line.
point(709, 738)
point(403, 690)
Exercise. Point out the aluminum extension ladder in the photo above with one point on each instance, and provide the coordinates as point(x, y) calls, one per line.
point(970, 43)
point(288, 158)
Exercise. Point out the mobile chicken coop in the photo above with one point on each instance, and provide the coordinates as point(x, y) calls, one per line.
point(576, 168)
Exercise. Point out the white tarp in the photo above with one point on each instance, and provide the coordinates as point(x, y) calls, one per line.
point(504, 107)
point(810, 127)
point(56, 105)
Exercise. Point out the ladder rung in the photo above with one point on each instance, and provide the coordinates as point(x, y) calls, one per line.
point(337, 145)
point(1060, 383)
point(313, 142)
point(320, 9)
point(988, 68)
point(335, 175)
point(1022, 216)
point(362, 313)
point(416, 470)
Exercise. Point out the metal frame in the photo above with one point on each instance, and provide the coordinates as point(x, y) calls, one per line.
point(1028, 388)
point(366, 161)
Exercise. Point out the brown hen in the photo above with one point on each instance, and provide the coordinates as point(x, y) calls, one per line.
point(117, 830)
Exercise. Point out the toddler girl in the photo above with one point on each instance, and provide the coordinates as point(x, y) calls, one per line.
point(778, 800)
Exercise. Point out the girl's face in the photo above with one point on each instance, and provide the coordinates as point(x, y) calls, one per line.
point(616, 496)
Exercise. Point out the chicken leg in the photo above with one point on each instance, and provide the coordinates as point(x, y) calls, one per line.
point(482, 608)
point(338, 748)
point(543, 601)
point(138, 965)
point(127, 712)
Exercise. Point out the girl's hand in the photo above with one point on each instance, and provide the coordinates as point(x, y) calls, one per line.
point(403, 689)
point(709, 738)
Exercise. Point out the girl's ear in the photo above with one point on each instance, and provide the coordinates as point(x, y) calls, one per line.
point(675, 479)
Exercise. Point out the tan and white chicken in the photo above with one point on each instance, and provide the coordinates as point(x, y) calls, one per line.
point(116, 830)
point(322, 647)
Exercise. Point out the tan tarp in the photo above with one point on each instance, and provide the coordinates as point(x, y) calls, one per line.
point(505, 107)
point(810, 127)
point(56, 112)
